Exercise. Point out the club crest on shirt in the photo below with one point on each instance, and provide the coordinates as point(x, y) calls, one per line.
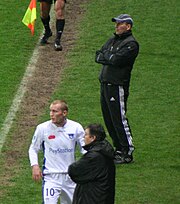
point(50, 137)
point(71, 136)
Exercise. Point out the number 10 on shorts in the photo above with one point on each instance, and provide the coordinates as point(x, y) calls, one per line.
point(49, 192)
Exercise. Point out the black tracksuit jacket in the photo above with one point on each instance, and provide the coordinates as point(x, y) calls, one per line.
point(117, 57)
point(94, 174)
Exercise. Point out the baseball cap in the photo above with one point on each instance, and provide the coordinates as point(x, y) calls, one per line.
point(123, 18)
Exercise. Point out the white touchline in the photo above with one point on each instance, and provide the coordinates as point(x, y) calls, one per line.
point(20, 93)
point(18, 97)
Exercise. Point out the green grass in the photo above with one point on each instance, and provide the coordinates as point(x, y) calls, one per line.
point(17, 45)
point(153, 107)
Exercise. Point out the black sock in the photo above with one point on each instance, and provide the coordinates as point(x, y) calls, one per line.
point(59, 27)
point(45, 22)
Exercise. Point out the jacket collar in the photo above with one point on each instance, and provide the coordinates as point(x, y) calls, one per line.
point(123, 35)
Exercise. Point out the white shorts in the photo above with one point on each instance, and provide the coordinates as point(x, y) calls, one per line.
point(57, 186)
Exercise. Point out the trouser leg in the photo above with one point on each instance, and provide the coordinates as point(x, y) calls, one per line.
point(107, 118)
point(114, 114)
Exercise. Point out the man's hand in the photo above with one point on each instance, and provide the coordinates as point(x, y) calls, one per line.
point(99, 57)
point(36, 173)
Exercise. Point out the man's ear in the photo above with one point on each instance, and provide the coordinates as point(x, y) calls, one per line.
point(129, 26)
point(93, 138)
point(65, 113)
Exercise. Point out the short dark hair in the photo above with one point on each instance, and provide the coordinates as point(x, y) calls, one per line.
point(97, 130)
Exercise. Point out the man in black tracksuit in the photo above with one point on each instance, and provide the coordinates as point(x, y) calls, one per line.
point(117, 56)
point(94, 173)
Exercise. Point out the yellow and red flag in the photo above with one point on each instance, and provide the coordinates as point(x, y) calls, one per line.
point(30, 16)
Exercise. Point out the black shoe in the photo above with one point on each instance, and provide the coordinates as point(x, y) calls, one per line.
point(120, 158)
point(57, 45)
point(45, 37)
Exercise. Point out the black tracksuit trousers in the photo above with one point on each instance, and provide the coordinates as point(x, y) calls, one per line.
point(114, 104)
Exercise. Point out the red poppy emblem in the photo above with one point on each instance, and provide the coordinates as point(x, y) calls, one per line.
point(51, 137)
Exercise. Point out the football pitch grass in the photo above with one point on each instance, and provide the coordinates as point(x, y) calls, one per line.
point(153, 106)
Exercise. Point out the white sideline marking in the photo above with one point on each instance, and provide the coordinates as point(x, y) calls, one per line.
point(18, 97)
point(21, 91)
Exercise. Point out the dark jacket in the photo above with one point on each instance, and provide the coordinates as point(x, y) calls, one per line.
point(94, 174)
point(117, 56)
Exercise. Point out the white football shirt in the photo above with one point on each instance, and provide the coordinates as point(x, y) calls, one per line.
point(58, 145)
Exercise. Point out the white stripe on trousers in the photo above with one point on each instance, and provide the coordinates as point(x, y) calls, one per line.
point(124, 119)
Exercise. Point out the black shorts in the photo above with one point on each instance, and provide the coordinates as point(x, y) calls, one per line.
point(49, 1)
